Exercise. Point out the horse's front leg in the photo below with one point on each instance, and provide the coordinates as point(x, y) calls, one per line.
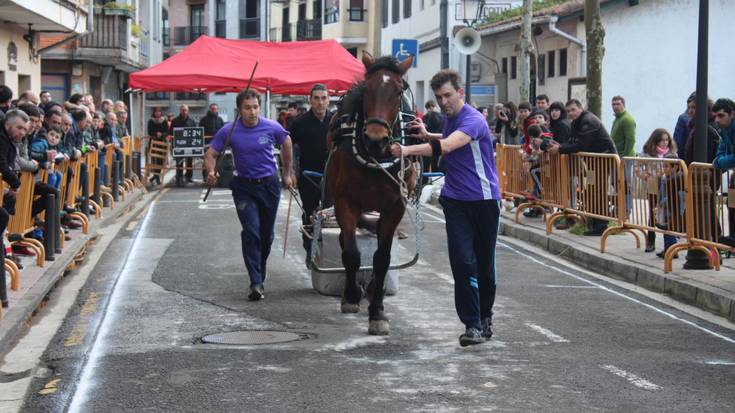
point(352, 293)
point(389, 220)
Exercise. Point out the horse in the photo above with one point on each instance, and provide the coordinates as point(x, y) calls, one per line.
point(357, 181)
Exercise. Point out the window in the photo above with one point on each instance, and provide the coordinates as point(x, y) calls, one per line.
point(513, 65)
point(504, 65)
point(563, 62)
point(384, 13)
point(406, 9)
point(316, 8)
point(302, 11)
point(249, 19)
point(286, 27)
point(220, 22)
point(356, 11)
point(422, 4)
point(541, 70)
point(552, 63)
point(396, 12)
point(331, 11)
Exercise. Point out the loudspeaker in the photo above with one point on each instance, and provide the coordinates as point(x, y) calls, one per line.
point(467, 41)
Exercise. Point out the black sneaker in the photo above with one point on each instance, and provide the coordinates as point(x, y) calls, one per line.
point(256, 292)
point(471, 337)
point(487, 328)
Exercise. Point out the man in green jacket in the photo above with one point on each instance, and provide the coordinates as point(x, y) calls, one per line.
point(623, 128)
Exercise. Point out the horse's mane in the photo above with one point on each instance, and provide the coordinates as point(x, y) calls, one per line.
point(389, 63)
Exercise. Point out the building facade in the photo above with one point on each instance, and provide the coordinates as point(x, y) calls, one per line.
point(650, 57)
point(24, 32)
point(422, 20)
point(124, 37)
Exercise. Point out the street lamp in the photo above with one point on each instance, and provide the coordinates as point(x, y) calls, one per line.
point(467, 40)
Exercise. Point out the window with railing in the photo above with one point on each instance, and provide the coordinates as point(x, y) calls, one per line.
point(184, 36)
point(157, 96)
point(309, 29)
point(250, 28)
point(190, 96)
point(356, 12)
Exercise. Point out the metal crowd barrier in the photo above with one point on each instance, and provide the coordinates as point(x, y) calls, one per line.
point(638, 195)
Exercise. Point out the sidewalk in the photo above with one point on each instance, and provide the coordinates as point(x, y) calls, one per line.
point(709, 290)
point(37, 282)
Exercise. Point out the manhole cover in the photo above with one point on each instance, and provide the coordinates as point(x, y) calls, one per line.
point(253, 337)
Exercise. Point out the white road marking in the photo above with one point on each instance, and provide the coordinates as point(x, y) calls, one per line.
point(86, 381)
point(569, 286)
point(548, 333)
point(632, 378)
point(619, 294)
point(720, 363)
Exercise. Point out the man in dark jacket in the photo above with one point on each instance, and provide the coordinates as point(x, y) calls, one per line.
point(588, 135)
point(183, 121)
point(14, 127)
point(309, 131)
point(212, 121)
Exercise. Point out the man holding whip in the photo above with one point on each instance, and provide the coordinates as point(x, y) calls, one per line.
point(256, 189)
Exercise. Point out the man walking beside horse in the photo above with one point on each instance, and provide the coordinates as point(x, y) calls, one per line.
point(471, 202)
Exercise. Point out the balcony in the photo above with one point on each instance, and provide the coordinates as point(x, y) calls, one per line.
point(185, 35)
point(250, 28)
point(110, 32)
point(220, 29)
point(309, 30)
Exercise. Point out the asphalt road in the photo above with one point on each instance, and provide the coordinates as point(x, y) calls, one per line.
point(564, 341)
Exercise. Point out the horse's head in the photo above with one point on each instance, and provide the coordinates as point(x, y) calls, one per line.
point(381, 101)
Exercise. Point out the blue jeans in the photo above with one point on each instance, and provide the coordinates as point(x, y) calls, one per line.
point(256, 205)
point(472, 232)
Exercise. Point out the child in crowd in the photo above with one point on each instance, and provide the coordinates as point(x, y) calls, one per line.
point(672, 202)
point(44, 150)
point(658, 145)
point(538, 142)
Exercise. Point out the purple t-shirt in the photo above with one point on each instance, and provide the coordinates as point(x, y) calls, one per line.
point(470, 173)
point(252, 147)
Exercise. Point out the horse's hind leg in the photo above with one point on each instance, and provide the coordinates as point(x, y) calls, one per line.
point(389, 220)
point(352, 293)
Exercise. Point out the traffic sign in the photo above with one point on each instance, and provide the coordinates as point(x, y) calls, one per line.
point(403, 48)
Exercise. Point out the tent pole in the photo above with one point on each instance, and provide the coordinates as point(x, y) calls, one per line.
point(268, 103)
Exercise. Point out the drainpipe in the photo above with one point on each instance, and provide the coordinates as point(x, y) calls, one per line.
point(582, 45)
point(443, 38)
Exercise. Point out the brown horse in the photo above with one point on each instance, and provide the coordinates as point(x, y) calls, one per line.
point(362, 176)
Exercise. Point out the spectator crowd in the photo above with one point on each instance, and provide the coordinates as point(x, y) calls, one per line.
point(36, 135)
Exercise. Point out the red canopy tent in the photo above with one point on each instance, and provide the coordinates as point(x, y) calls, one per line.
point(222, 65)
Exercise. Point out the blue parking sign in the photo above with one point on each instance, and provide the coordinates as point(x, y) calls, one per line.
point(402, 48)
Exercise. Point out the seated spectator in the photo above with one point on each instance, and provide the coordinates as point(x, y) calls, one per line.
point(6, 97)
point(44, 151)
point(122, 121)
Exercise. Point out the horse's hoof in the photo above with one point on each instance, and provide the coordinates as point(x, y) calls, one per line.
point(349, 308)
point(379, 328)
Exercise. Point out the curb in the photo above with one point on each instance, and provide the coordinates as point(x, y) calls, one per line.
point(15, 317)
point(687, 291)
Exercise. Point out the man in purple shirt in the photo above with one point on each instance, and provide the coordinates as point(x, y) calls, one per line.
point(255, 185)
point(471, 202)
